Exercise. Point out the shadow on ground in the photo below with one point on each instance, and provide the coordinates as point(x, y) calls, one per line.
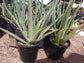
point(46, 60)
point(73, 58)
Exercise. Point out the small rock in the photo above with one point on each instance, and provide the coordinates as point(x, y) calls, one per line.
point(8, 58)
point(4, 52)
point(15, 59)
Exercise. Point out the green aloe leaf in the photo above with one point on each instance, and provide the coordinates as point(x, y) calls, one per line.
point(44, 31)
point(40, 33)
point(67, 13)
point(70, 35)
point(18, 38)
point(58, 36)
point(46, 34)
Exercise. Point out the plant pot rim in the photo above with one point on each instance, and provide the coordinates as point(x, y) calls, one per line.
point(27, 46)
point(68, 41)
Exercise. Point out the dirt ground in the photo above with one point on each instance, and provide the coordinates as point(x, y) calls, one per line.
point(9, 52)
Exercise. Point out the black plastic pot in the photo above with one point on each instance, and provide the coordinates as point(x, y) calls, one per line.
point(3, 23)
point(52, 51)
point(28, 53)
point(41, 44)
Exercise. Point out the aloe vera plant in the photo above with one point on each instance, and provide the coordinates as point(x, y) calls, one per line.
point(28, 19)
point(63, 21)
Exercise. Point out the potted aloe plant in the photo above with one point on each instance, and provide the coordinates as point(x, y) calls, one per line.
point(63, 20)
point(31, 22)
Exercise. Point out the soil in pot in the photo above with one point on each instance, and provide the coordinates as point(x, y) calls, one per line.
point(28, 53)
point(52, 51)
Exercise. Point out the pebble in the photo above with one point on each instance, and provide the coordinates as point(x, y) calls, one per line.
point(9, 58)
point(4, 52)
point(15, 59)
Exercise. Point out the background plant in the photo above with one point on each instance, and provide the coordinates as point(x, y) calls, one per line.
point(63, 19)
